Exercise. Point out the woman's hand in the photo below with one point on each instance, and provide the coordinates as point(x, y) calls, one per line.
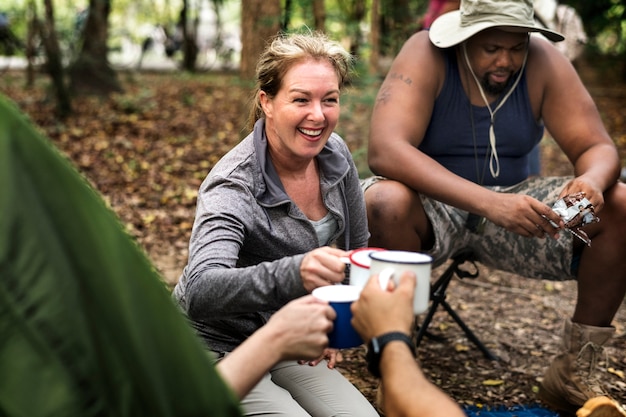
point(333, 356)
point(323, 266)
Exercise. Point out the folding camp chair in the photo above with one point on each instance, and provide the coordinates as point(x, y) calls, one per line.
point(438, 297)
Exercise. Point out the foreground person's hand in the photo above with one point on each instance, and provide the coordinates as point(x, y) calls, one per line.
point(299, 330)
point(379, 311)
point(405, 388)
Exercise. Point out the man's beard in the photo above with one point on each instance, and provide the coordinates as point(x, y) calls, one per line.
point(493, 89)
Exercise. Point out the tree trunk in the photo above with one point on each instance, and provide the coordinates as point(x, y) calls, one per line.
point(54, 64)
point(319, 14)
point(32, 31)
point(92, 73)
point(355, 17)
point(374, 38)
point(260, 21)
point(190, 47)
point(284, 26)
point(406, 22)
point(398, 23)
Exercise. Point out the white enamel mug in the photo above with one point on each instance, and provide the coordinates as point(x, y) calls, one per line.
point(390, 264)
point(360, 266)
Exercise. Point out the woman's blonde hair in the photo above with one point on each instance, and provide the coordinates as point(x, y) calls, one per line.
point(288, 49)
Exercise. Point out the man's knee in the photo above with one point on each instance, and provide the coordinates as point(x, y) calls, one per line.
point(389, 201)
point(613, 214)
point(612, 224)
point(615, 198)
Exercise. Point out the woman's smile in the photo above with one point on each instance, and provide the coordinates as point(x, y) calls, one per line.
point(312, 133)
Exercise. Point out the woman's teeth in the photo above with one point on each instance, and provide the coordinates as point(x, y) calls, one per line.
point(311, 132)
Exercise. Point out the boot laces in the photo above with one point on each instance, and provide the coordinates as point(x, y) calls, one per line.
point(588, 360)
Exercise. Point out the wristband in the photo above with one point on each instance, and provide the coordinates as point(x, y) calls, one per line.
point(376, 346)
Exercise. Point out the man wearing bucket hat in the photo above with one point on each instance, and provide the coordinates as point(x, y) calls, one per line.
point(460, 109)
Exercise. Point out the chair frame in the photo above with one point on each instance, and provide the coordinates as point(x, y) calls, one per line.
point(438, 297)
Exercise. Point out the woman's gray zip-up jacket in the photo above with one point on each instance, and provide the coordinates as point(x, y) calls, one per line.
point(249, 238)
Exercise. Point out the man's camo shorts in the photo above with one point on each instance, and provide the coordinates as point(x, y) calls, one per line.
point(495, 246)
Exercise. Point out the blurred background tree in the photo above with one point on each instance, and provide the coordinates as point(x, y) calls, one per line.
point(89, 70)
point(605, 23)
point(226, 34)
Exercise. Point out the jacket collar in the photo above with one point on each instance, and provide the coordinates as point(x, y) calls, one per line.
point(333, 167)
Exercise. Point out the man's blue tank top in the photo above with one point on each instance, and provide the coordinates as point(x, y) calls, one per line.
point(450, 141)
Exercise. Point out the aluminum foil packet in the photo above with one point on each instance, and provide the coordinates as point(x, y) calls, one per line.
point(576, 212)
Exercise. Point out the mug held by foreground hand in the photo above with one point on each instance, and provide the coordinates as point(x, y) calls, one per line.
point(340, 297)
point(392, 263)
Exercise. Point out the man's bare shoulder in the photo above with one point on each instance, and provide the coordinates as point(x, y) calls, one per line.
point(545, 59)
point(418, 61)
point(549, 69)
point(419, 45)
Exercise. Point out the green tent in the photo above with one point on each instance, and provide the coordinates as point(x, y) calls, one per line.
point(87, 327)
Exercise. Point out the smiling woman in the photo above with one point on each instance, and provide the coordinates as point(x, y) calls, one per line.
point(275, 217)
point(298, 122)
point(302, 116)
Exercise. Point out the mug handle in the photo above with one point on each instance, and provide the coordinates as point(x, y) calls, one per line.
point(384, 276)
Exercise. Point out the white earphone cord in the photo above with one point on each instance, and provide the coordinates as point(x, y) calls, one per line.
point(494, 163)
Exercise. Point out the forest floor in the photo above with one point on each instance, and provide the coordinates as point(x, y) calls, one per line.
point(147, 150)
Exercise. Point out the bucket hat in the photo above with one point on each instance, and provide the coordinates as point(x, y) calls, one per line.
point(475, 16)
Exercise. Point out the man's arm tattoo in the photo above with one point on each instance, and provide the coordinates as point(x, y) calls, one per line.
point(384, 95)
point(401, 77)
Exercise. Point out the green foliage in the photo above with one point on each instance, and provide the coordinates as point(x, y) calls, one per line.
point(398, 21)
point(88, 328)
point(605, 20)
point(65, 14)
point(605, 23)
point(356, 107)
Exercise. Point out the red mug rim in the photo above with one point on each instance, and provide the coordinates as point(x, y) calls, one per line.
point(360, 264)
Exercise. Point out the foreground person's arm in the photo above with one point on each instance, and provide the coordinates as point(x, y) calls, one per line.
point(406, 390)
point(299, 330)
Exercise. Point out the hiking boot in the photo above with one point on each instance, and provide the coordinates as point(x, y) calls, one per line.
point(572, 377)
point(601, 407)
